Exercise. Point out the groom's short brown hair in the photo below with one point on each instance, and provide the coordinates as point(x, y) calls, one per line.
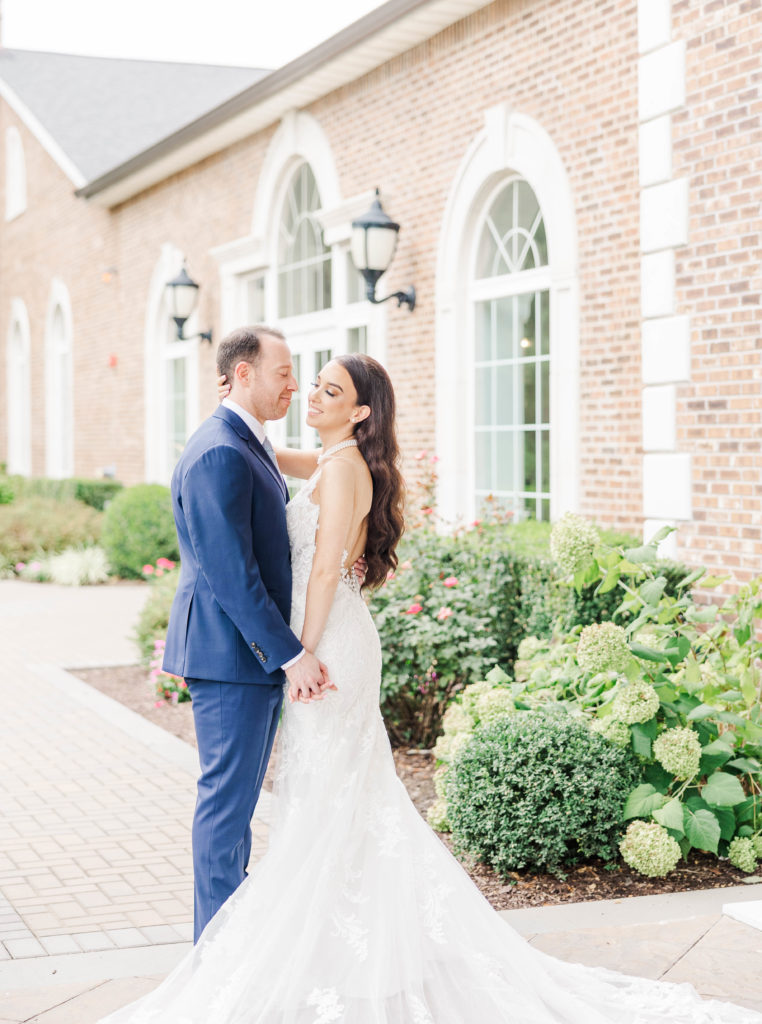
point(242, 344)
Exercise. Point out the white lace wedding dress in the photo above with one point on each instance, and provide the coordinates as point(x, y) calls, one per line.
point(358, 914)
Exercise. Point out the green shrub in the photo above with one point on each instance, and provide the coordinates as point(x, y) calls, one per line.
point(96, 493)
point(686, 700)
point(507, 588)
point(7, 490)
point(32, 527)
point(139, 528)
point(539, 790)
point(154, 616)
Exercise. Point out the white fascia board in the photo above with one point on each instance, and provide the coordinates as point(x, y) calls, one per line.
point(404, 34)
point(43, 136)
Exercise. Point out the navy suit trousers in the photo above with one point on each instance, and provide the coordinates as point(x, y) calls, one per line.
point(235, 728)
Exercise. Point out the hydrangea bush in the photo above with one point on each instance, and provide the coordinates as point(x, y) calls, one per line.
point(680, 685)
point(675, 681)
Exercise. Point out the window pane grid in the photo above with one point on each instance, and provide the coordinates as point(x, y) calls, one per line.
point(512, 429)
point(304, 263)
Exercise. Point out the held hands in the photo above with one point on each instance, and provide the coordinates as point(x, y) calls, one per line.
point(223, 388)
point(361, 569)
point(308, 680)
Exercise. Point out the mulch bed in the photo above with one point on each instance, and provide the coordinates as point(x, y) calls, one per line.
point(591, 881)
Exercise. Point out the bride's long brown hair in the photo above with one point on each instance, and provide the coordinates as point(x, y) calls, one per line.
point(377, 440)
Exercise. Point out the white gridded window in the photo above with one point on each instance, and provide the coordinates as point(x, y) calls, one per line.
point(512, 357)
point(304, 261)
point(19, 411)
point(15, 174)
point(59, 406)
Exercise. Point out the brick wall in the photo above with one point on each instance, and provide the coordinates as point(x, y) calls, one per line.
point(572, 66)
point(717, 144)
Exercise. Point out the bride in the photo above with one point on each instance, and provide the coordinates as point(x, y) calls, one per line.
point(357, 913)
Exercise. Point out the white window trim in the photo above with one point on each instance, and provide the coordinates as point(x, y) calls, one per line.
point(59, 299)
point(510, 143)
point(15, 174)
point(19, 321)
point(157, 327)
point(299, 139)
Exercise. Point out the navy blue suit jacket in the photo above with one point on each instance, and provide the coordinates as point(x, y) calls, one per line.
point(229, 619)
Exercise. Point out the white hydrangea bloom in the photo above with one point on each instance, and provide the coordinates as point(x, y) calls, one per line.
point(742, 854)
point(614, 731)
point(572, 541)
point(492, 705)
point(636, 702)
point(603, 647)
point(679, 752)
point(649, 849)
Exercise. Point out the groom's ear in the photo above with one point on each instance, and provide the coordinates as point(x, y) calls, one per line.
point(360, 413)
point(242, 372)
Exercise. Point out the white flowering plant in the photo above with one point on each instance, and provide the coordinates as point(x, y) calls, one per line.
point(676, 678)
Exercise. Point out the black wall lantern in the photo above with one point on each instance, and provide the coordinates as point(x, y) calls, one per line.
point(183, 292)
point(374, 241)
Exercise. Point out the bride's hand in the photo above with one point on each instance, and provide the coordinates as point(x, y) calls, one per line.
point(223, 388)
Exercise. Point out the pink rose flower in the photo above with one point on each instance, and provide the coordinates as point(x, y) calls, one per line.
point(444, 613)
point(407, 565)
point(148, 570)
point(414, 609)
point(451, 581)
point(164, 563)
point(427, 511)
point(19, 566)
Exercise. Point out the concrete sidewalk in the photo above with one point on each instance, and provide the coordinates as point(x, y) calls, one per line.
point(95, 867)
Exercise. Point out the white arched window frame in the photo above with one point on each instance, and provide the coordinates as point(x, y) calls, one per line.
point(509, 298)
point(511, 146)
point(171, 375)
point(255, 269)
point(15, 174)
point(18, 378)
point(59, 384)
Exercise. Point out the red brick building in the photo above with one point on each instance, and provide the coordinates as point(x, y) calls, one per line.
point(578, 184)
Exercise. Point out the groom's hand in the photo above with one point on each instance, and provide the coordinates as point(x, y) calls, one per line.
point(306, 681)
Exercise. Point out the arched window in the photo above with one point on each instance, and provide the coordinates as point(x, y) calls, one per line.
point(507, 327)
point(15, 174)
point(58, 405)
point(304, 261)
point(511, 311)
point(171, 369)
point(19, 455)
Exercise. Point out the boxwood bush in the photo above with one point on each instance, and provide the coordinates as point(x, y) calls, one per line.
point(35, 526)
point(139, 528)
point(540, 790)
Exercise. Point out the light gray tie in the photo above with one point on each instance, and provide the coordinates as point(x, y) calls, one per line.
point(271, 455)
point(271, 452)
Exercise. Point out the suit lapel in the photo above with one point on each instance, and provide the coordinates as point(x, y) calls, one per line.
point(235, 421)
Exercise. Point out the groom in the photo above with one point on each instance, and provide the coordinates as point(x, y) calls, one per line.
point(228, 634)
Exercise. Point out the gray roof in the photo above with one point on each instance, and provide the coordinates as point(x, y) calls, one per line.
point(101, 111)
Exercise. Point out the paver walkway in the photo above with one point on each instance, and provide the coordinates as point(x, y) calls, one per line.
point(95, 813)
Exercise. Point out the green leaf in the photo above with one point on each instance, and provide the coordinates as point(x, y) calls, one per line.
point(700, 712)
point(608, 583)
point(642, 802)
point(713, 581)
point(643, 735)
point(746, 811)
point(713, 756)
point(707, 614)
point(691, 577)
point(745, 764)
point(496, 675)
point(742, 634)
point(647, 653)
point(702, 829)
point(671, 815)
point(727, 822)
point(652, 590)
point(748, 689)
point(723, 790)
point(661, 535)
point(643, 554)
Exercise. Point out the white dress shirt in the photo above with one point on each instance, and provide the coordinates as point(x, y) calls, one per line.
point(258, 430)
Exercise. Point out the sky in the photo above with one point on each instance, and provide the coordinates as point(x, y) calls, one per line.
point(250, 33)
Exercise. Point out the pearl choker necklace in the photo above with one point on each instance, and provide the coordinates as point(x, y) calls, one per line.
point(350, 443)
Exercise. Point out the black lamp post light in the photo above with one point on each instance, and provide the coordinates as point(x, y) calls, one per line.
point(374, 241)
point(183, 292)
